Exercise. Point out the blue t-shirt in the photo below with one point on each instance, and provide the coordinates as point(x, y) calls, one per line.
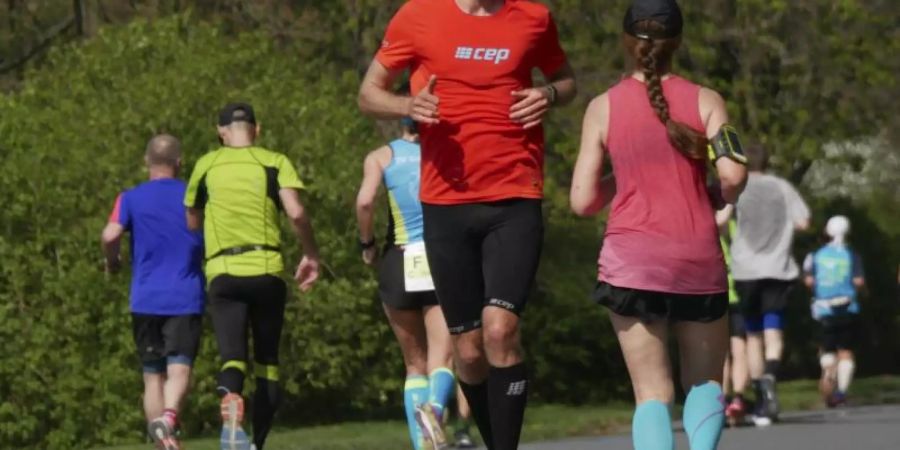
point(834, 267)
point(166, 257)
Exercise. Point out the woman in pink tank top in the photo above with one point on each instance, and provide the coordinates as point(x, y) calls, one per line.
point(661, 265)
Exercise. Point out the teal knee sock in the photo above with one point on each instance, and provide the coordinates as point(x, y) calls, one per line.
point(441, 382)
point(651, 428)
point(415, 393)
point(704, 415)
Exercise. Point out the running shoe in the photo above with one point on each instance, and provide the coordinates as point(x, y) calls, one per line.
point(761, 421)
point(837, 399)
point(431, 427)
point(772, 407)
point(734, 412)
point(463, 440)
point(233, 436)
point(163, 433)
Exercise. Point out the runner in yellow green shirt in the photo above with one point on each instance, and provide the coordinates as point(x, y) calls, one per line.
point(235, 193)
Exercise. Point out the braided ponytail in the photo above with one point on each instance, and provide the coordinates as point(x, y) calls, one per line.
point(653, 58)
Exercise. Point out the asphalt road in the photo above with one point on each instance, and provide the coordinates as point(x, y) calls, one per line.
point(864, 428)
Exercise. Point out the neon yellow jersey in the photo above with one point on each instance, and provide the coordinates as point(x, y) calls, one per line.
point(726, 249)
point(237, 189)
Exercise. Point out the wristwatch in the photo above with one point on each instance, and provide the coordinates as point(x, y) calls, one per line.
point(551, 90)
point(366, 245)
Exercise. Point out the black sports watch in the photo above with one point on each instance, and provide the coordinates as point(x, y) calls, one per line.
point(366, 245)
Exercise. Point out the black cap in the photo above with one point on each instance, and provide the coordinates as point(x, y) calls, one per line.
point(236, 112)
point(664, 12)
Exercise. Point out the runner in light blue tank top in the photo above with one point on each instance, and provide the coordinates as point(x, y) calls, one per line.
point(401, 178)
point(404, 285)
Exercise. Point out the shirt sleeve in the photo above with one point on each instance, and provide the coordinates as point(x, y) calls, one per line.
point(398, 46)
point(195, 195)
point(119, 212)
point(549, 56)
point(287, 175)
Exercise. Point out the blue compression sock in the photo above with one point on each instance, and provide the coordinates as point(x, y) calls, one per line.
point(415, 393)
point(651, 428)
point(704, 415)
point(441, 382)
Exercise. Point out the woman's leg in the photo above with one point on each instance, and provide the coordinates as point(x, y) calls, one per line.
point(644, 348)
point(440, 353)
point(409, 328)
point(703, 347)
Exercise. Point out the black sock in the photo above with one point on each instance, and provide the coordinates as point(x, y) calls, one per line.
point(477, 395)
point(508, 394)
point(772, 366)
point(265, 402)
point(231, 381)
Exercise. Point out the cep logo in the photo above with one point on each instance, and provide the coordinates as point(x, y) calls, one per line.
point(496, 55)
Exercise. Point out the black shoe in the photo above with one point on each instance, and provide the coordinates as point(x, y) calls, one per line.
point(463, 440)
point(772, 407)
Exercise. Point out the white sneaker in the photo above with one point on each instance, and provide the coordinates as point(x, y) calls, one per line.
point(762, 421)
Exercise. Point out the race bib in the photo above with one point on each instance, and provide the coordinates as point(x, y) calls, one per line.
point(416, 273)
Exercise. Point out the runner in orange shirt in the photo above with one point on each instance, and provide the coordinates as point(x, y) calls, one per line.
point(471, 62)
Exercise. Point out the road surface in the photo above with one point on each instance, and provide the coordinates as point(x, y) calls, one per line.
point(864, 428)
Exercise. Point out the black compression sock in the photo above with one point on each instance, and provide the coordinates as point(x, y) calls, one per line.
point(231, 381)
point(477, 395)
point(508, 394)
point(772, 366)
point(265, 402)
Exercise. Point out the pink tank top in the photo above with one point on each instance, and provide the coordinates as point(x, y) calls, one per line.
point(661, 234)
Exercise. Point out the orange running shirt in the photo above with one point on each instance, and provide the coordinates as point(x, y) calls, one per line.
point(476, 153)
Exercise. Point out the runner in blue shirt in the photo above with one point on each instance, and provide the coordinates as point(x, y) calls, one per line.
point(167, 284)
point(835, 274)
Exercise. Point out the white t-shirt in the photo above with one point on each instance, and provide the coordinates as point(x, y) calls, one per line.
point(767, 213)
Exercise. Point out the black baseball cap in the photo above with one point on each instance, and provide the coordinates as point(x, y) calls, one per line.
point(236, 112)
point(664, 12)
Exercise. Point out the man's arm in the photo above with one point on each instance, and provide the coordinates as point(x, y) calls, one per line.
point(531, 105)
point(564, 83)
point(308, 269)
point(194, 219)
point(299, 219)
point(377, 100)
point(808, 271)
point(111, 241)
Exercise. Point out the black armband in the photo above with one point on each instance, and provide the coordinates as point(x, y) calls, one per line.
point(727, 144)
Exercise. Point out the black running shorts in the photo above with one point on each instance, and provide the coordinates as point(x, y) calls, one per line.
point(392, 284)
point(651, 306)
point(839, 333)
point(737, 326)
point(763, 296)
point(159, 337)
point(483, 254)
